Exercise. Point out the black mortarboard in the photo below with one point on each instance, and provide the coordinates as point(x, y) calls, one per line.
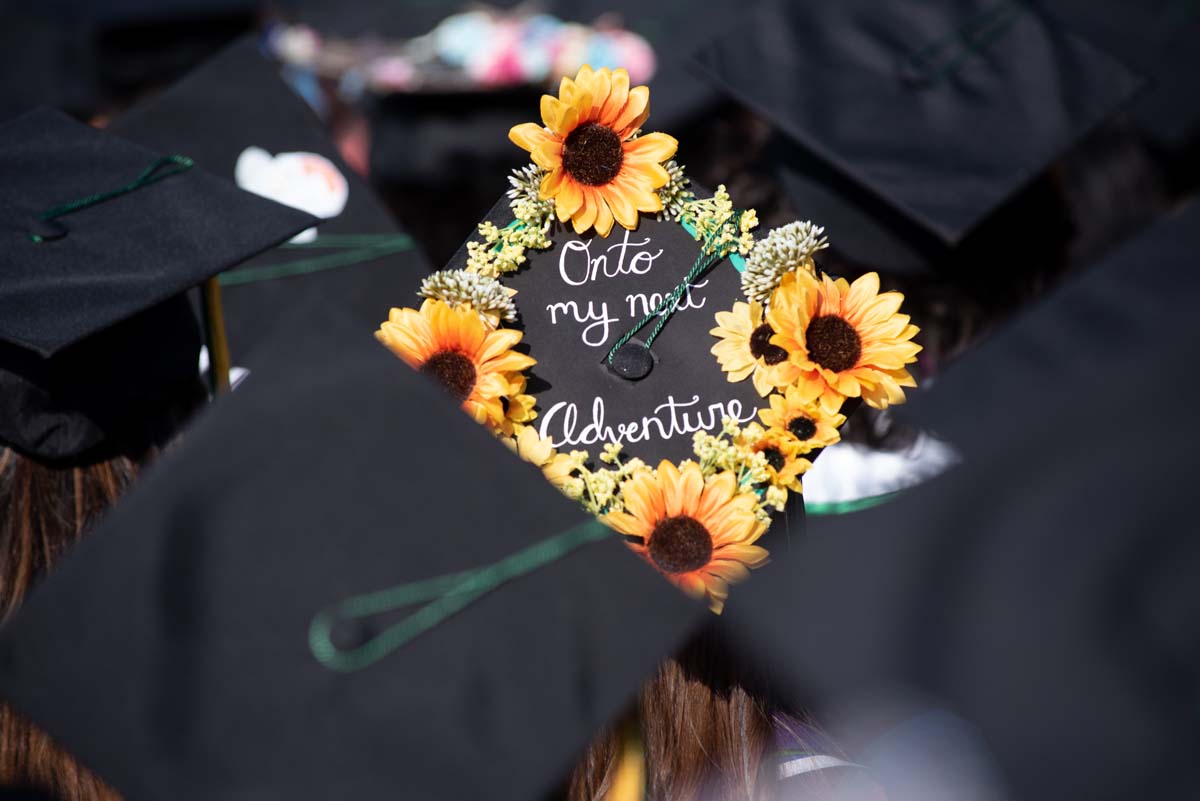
point(1157, 39)
point(171, 652)
point(1044, 590)
point(237, 118)
point(93, 333)
point(958, 105)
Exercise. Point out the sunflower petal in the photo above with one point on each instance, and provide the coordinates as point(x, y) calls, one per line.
point(652, 148)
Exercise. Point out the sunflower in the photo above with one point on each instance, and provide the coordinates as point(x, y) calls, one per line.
point(847, 339)
point(798, 415)
point(745, 349)
point(699, 534)
point(470, 359)
point(784, 455)
point(597, 169)
point(539, 452)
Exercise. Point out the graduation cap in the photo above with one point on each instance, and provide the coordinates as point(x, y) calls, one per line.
point(200, 607)
point(1157, 39)
point(237, 118)
point(1042, 593)
point(958, 107)
point(101, 238)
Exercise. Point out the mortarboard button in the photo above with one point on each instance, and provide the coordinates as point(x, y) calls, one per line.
point(633, 360)
point(46, 230)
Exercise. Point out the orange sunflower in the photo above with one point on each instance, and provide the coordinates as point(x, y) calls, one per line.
point(745, 349)
point(597, 170)
point(699, 534)
point(798, 415)
point(848, 340)
point(473, 361)
point(784, 455)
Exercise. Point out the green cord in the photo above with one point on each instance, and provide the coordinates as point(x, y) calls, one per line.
point(152, 174)
point(446, 595)
point(974, 35)
point(664, 310)
point(848, 507)
point(362, 248)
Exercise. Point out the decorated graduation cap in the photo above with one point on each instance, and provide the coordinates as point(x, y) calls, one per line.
point(1043, 592)
point(339, 585)
point(238, 119)
point(101, 237)
point(665, 369)
point(960, 105)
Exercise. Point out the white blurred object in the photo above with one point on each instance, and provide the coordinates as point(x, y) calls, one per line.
point(848, 471)
point(306, 181)
point(236, 374)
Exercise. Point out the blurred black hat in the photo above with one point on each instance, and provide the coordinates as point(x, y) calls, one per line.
point(908, 128)
point(179, 652)
point(101, 238)
point(237, 118)
point(1043, 592)
point(1159, 40)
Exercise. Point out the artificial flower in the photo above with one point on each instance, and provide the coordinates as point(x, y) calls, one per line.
point(783, 453)
point(798, 415)
point(487, 296)
point(598, 168)
point(783, 250)
point(473, 361)
point(848, 340)
point(699, 534)
point(745, 349)
point(539, 451)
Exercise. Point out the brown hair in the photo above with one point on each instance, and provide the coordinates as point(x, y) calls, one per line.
point(47, 509)
point(709, 729)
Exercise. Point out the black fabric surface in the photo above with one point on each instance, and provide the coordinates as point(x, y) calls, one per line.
point(1039, 590)
point(169, 651)
point(898, 99)
point(235, 101)
point(118, 258)
point(1158, 39)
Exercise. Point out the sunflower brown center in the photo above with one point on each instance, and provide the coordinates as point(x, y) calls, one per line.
point(802, 428)
point(833, 343)
point(452, 370)
point(592, 154)
point(761, 347)
point(680, 544)
point(775, 457)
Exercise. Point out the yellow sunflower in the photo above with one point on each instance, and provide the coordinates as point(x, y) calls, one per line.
point(699, 534)
point(539, 452)
point(745, 349)
point(847, 339)
point(798, 415)
point(597, 170)
point(473, 361)
point(784, 455)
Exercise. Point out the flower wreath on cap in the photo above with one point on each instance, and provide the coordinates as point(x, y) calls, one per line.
point(806, 340)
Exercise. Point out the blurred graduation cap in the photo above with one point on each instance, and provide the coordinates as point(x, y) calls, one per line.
point(171, 652)
point(1043, 592)
point(237, 118)
point(1159, 40)
point(45, 61)
point(101, 238)
point(956, 107)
